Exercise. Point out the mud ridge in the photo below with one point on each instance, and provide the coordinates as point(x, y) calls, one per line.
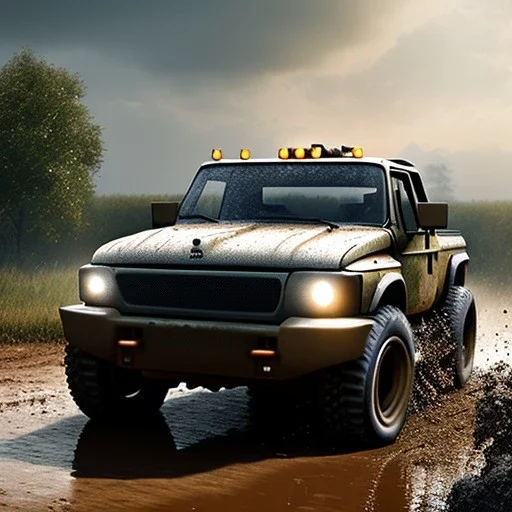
point(490, 490)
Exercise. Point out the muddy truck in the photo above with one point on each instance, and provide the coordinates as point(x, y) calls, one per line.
point(298, 276)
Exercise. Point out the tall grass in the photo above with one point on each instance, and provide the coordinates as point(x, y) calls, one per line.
point(29, 303)
point(487, 228)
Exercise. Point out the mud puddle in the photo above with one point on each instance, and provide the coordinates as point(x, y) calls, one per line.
point(198, 454)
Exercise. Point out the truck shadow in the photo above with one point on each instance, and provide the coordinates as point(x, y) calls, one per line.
point(193, 433)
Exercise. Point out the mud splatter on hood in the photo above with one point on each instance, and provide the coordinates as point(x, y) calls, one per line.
point(246, 244)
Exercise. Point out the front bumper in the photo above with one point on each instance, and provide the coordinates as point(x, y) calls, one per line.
point(237, 350)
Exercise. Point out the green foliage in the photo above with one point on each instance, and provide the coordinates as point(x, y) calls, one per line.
point(50, 148)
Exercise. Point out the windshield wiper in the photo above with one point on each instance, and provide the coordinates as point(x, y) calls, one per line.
point(199, 216)
point(332, 225)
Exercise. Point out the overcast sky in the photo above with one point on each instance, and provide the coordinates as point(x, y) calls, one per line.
point(170, 79)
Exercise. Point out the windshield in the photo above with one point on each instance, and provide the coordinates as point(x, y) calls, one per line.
point(344, 193)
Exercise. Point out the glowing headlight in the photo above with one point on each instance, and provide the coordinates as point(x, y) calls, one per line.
point(96, 285)
point(322, 293)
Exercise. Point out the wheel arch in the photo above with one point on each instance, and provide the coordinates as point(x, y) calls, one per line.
point(456, 272)
point(391, 291)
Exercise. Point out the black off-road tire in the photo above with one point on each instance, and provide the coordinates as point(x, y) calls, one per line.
point(280, 413)
point(366, 401)
point(104, 391)
point(459, 310)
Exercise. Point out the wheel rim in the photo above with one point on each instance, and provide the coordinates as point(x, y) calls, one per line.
point(392, 382)
point(127, 383)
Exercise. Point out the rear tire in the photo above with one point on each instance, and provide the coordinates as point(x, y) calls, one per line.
point(367, 400)
point(104, 391)
point(460, 311)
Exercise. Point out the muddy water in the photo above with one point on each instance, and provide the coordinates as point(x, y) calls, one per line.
point(199, 456)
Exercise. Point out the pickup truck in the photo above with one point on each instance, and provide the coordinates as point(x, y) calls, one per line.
point(297, 276)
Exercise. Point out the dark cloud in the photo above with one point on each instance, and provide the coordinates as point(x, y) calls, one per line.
point(198, 36)
point(170, 79)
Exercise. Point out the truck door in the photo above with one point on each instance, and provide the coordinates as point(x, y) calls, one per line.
point(420, 266)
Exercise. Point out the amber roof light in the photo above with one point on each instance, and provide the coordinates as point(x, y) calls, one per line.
point(357, 152)
point(284, 153)
point(300, 153)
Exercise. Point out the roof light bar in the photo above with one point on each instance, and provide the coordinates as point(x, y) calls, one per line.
point(315, 151)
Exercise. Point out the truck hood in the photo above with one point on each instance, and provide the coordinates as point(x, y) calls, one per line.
point(285, 246)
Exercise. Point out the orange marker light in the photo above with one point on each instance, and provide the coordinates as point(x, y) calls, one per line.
point(284, 153)
point(316, 152)
point(300, 153)
point(357, 152)
point(216, 154)
point(245, 154)
point(263, 353)
point(128, 343)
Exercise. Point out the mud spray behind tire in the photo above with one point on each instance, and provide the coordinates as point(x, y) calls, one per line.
point(433, 374)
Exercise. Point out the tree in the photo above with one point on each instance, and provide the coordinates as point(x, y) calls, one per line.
point(50, 149)
point(438, 182)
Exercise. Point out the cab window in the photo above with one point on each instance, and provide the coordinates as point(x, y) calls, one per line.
point(404, 202)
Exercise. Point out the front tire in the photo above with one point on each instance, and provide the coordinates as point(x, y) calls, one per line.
point(367, 400)
point(104, 391)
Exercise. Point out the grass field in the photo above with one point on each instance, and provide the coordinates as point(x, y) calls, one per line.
point(29, 303)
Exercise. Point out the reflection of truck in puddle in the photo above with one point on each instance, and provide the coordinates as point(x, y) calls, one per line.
point(297, 277)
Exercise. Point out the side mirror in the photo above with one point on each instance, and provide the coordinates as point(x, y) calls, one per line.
point(164, 214)
point(433, 215)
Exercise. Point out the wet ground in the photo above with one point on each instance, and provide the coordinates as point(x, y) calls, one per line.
point(199, 456)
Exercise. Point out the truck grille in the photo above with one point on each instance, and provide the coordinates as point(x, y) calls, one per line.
point(204, 292)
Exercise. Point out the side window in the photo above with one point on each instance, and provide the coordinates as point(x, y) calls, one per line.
point(404, 203)
point(210, 200)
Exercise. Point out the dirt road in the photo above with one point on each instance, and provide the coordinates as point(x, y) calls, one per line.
point(199, 457)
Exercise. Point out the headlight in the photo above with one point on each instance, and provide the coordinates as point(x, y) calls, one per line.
point(97, 285)
point(322, 294)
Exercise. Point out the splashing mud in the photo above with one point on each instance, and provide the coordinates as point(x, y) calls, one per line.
point(434, 371)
